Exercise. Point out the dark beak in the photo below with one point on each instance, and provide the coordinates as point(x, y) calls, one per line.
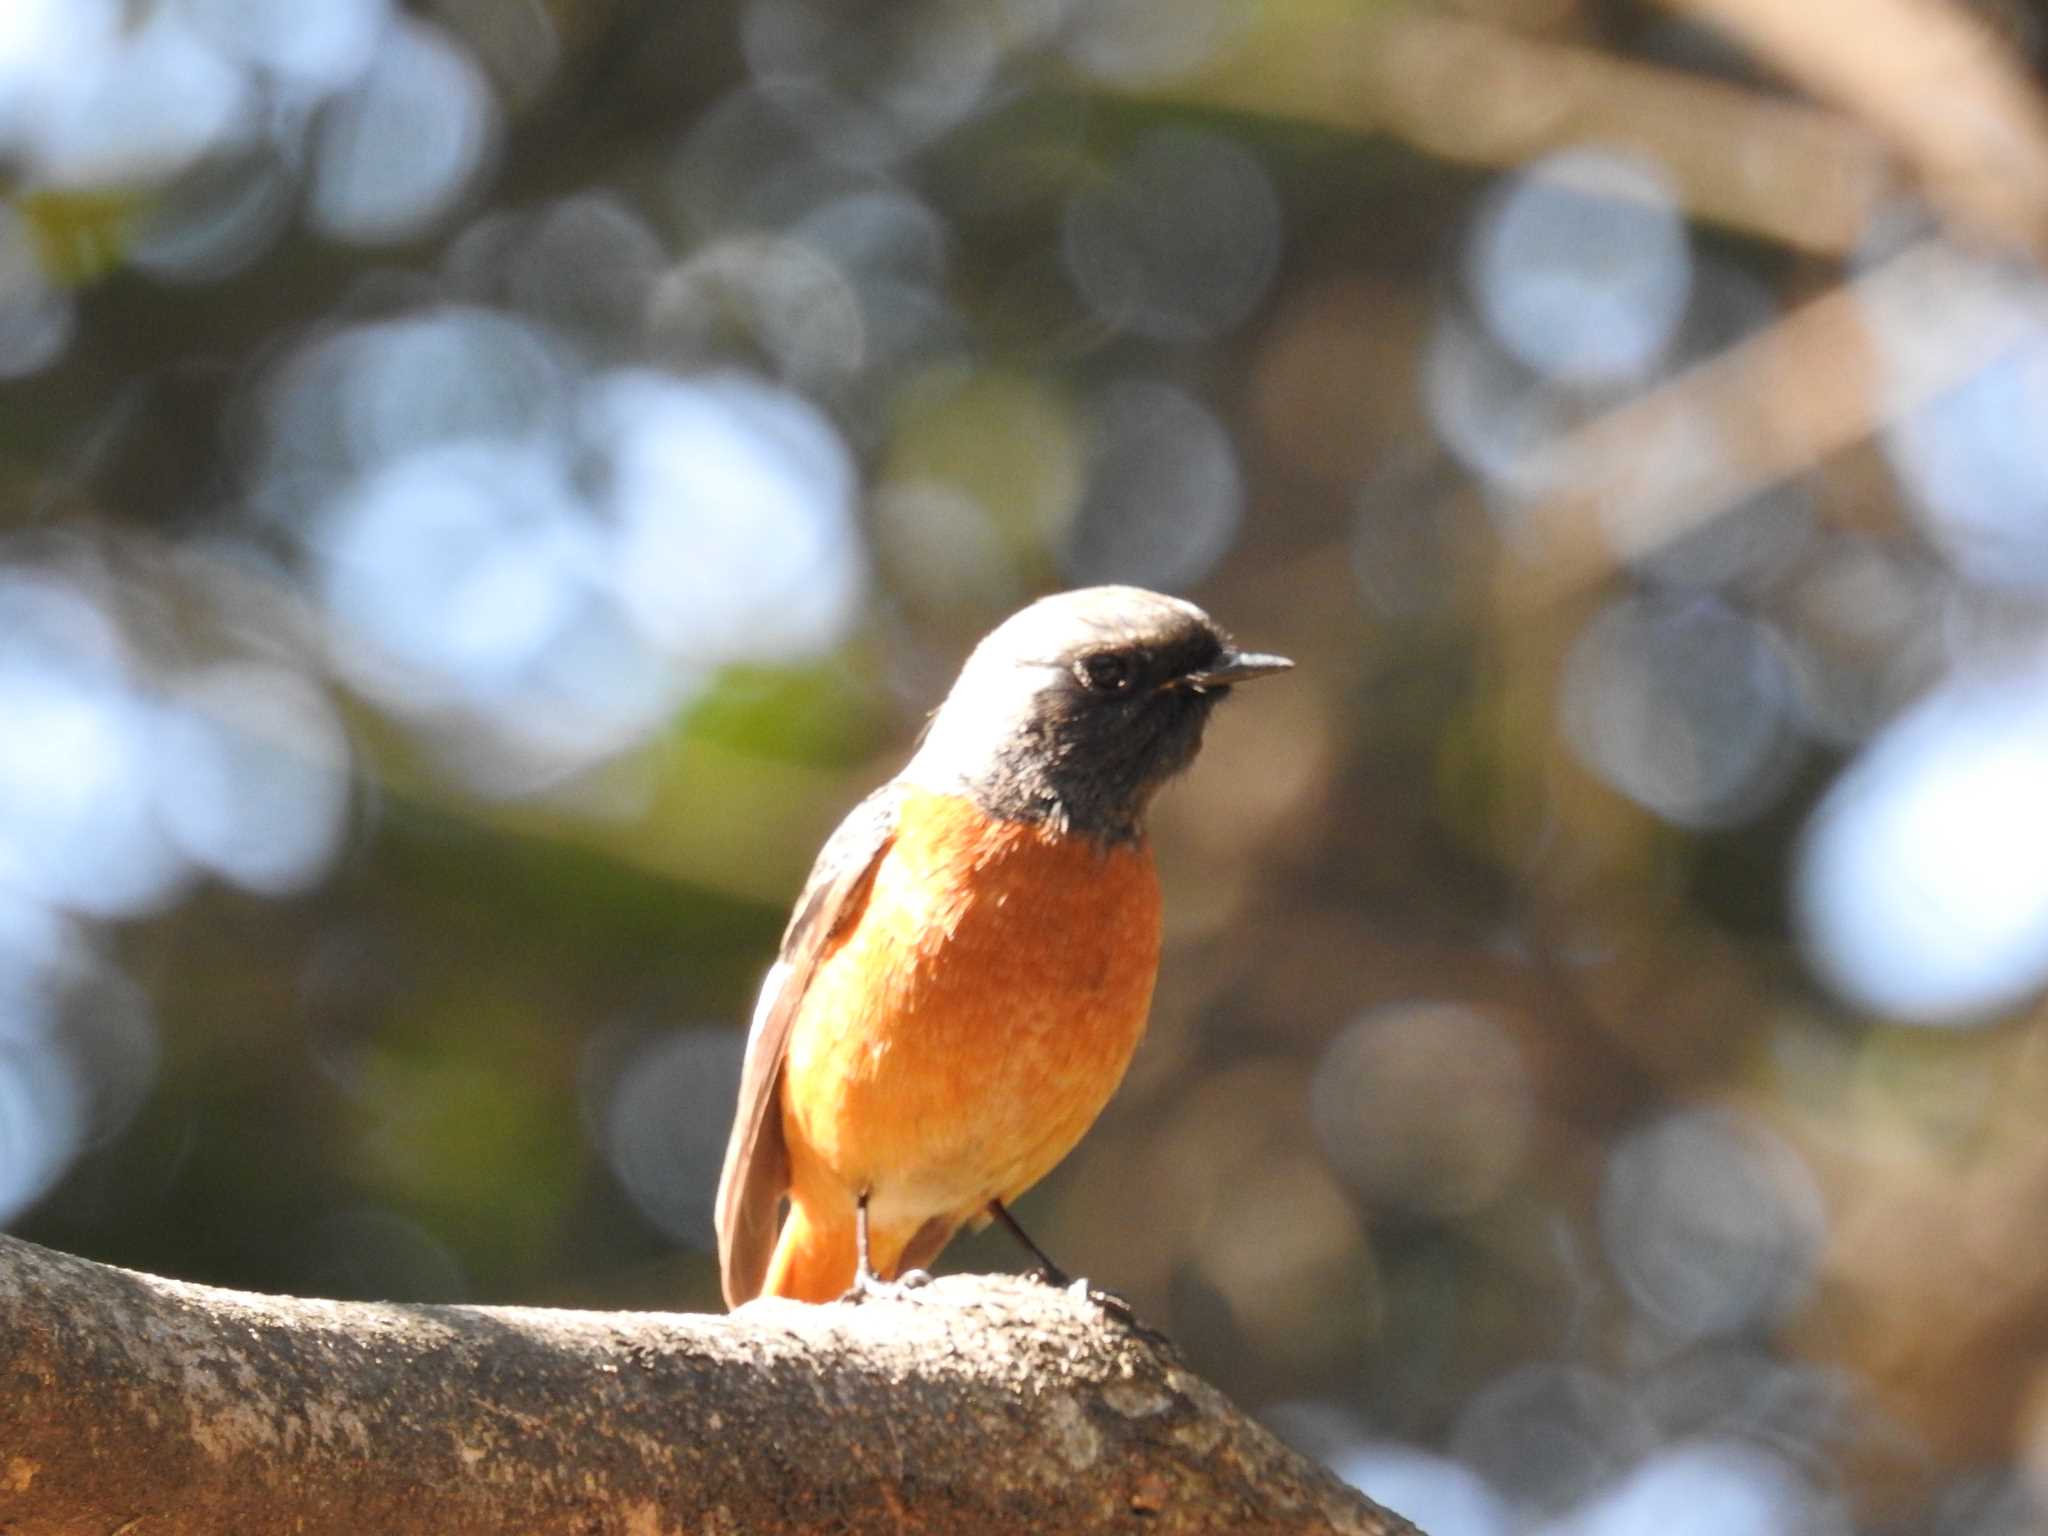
point(1235, 667)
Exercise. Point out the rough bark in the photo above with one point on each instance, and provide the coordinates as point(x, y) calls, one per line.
point(134, 1404)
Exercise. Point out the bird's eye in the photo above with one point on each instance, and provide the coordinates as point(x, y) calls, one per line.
point(1106, 672)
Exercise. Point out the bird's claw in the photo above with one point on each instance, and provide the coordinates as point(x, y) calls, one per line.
point(1110, 1303)
point(872, 1287)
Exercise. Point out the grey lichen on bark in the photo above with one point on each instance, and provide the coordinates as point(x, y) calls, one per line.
point(142, 1405)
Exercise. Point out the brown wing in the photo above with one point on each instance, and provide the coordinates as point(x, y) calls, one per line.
point(756, 1173)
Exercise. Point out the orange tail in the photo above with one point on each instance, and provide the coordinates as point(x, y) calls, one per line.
point(812, 1262)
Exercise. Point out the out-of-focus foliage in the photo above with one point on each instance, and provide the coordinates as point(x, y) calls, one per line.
point(484, 487)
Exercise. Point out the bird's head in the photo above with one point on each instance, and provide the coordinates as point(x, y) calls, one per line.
point(1077, 708)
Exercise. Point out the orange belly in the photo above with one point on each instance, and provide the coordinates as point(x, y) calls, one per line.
point(964, 1034)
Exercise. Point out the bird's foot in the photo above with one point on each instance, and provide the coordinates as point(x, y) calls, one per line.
point(868, 1286)
point(1110, 1303)
point(1049, 1273)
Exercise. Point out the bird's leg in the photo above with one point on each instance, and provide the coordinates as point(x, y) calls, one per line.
point(866, 1283)
point(863, 1271)
point(1047, 1271)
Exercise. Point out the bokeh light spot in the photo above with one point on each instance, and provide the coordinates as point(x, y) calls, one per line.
point(1580, 266)
point(1442, 1496)
point(397, 151)
point(1177, 241)
point(444, 375)
point(453, 570)
point(1710, 1488)
point(42, 1121)
point(1138, 42)
point(1971, 465)
point(734, 505)
point(1502, 422)
point(1918, 887)
point(1423, 1106)
point(40, 950)
point(1280, 1233)
point(587, 265)
point(252, 775)
point(870, 83)
point(76, 826)
point(36, 317)
point(1545, 1436)
point(747, 165)
point(789, 299)
point(134, 103)
point(217, 218)
point(942, 545)
point(1712, 1222)
point(314, 45)
point(1682, 704)
point(354, 401)
point(1006, 451)
point(662, 1124)
point(1165, 494)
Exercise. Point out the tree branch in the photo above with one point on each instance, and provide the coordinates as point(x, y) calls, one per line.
point(979, 1404)
point(1846, 364)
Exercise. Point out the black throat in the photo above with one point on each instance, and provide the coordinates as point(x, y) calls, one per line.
point(1091, 770)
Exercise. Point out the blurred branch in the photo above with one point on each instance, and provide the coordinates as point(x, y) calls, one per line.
point(980, 1404)
point(1481, 95)
point(1825, 377)
point(1935, 80)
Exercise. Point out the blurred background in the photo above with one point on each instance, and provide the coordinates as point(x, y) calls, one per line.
point(486, 484)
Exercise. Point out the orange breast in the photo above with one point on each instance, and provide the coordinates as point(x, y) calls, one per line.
point(976, 1017)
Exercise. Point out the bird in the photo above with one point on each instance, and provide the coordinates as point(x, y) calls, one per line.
point(967, 971)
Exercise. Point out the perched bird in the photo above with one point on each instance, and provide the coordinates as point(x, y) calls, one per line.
point(969, 967)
